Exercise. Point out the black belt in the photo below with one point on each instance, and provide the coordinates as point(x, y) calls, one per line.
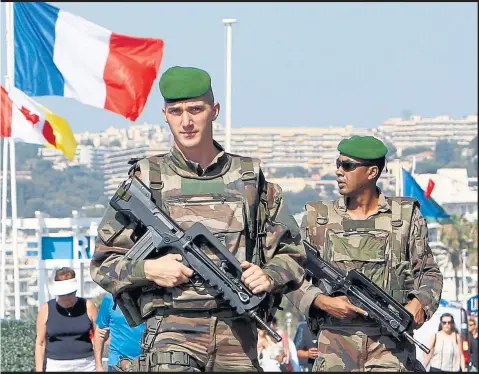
point(220, 313)
point(173, 358)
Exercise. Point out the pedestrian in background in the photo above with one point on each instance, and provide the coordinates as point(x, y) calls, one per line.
point(473, 346)
point(306, 345)
point(64, 325)
point(125, 341)
point(446, 347)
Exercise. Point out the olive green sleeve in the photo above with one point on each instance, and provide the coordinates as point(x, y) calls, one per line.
point(284, 253)
point(428, 280)
point(303, 298)
point(108, 267)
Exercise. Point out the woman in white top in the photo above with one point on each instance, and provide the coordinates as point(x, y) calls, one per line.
point(270, 353)
point(446, 347)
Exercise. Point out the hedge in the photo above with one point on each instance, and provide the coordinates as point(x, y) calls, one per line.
point(18, 345)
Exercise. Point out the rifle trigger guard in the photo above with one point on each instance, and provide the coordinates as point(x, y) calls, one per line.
point(243, 297)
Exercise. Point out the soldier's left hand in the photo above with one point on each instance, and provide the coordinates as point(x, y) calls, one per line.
point(255, 278)
point(414, 307)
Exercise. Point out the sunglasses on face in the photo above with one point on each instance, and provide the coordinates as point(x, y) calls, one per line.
point(446, 322)
point(348, 165)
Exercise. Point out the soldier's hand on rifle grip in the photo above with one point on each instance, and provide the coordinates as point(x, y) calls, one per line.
point(415, 308)
point(255, 278)
point(167, 271)
point(338, 306)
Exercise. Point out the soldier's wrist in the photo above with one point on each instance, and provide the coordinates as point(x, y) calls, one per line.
point(147, 269)
point(322, 301)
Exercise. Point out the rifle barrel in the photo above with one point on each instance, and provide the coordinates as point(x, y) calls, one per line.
point(414, 341)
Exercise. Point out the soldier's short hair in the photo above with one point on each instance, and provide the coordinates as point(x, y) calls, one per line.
point(380, 163)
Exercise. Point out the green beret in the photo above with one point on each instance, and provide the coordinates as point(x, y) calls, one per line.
point(363, 147)
point(184, 83)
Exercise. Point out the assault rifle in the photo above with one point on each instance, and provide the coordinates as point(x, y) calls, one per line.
point(162, 235)
point(363, 293)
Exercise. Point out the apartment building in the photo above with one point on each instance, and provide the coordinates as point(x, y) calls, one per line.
point(313, 148)
point(308, 147)
point(116, 162)
point(425, 131)
point(87, 155)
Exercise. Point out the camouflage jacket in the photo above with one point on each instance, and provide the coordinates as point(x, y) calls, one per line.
point(283, 255)
point(427, 278)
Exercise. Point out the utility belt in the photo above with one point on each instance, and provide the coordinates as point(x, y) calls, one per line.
point(153, 324)
point(192, 313)
point(369, 330)
point(146, 362)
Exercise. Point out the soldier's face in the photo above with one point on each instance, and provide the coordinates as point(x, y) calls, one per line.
point(191, 121)
point(352, 174)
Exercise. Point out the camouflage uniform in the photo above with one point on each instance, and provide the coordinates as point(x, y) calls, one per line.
point(225, 197)
point(391, 248)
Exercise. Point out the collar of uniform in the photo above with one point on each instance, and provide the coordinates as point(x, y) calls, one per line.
point(383, 205)
point(183, 163)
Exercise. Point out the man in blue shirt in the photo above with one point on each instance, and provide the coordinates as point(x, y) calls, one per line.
point(124, 340)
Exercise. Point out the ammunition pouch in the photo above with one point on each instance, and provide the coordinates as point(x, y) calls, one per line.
point(172, 358)
point(127, 302)
point(151, 360)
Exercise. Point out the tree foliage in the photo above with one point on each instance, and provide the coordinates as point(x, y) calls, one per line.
point(448, 155)
point(291, 172)
point(458, 236)
point(55, 192)
point(392, 150)
point(296, 200)
point(414, 150)
point(447, 151)
point(18, 345)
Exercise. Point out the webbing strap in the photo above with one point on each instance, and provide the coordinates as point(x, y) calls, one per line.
point(248, 176)
point(144, 165)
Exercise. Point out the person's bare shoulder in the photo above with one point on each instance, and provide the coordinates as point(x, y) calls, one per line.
point(43, 313)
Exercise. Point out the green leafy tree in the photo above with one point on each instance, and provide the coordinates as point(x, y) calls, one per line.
point(414, 150)
point(392, 150)
point(296, 200)
point(23, 153)
point(447, 151)
point(18, 345)
point(458, 236)
point(291, 172)
point(428, 167)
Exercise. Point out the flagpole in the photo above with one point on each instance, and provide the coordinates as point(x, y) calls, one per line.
point(4, 200)
point(4, 225)
point(398, 178)
point(13, 178)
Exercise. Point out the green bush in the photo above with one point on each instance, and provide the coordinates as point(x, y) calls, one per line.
point(18, 345)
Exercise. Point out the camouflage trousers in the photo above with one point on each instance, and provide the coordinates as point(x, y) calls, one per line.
point(214, 344)
point(340, 351)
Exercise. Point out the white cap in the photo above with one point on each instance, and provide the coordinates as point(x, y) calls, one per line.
point(62, 287)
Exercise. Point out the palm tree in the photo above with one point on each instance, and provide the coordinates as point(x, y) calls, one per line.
point(458, 236)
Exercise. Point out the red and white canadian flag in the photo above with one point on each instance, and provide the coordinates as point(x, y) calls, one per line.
point(23, 119)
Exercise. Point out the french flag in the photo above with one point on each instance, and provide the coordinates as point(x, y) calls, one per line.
point(61, 54)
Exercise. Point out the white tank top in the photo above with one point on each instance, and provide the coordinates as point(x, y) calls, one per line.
point(446, 354)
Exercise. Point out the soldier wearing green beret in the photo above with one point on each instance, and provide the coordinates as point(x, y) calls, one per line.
point(187, 327)
point(383, 237)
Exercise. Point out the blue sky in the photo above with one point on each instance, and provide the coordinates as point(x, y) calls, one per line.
point(303, 64)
